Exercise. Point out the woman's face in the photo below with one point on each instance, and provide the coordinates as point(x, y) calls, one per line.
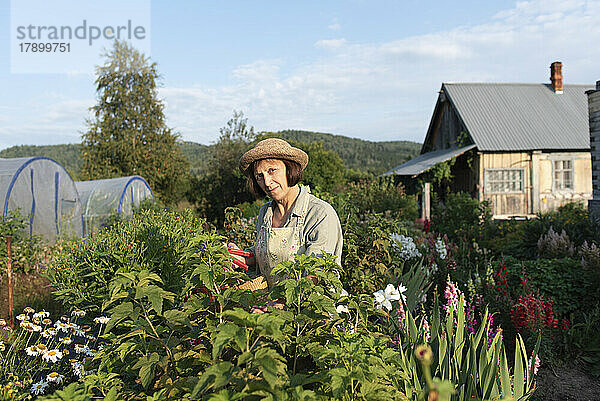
point(271, 176)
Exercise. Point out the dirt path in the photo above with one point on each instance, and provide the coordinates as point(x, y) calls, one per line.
point(566, 383)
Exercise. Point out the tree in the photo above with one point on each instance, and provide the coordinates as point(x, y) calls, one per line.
point(127, 134)
point(224, 185)
point(325, 170)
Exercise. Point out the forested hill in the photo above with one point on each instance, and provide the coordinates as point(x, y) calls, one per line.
point(66, 155)
point(358, 154)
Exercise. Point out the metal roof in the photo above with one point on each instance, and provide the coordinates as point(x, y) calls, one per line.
point(516, 117)
point(424, 162)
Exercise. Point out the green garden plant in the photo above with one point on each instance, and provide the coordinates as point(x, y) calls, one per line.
point(151, 240)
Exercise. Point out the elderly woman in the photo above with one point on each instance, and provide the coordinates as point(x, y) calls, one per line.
point(294, 221)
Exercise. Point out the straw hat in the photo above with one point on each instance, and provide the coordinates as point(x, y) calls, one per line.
point(273, 148)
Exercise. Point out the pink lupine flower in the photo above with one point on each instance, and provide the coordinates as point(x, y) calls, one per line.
point(426, 329)
point(452, 295)
point(401, 313)
point(537, 364)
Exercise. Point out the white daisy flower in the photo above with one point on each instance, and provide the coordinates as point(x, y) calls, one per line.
point(41, 348)
point(66, 340)
point(41, 315)
point(101, 320)
point(78, 313)
point(81, 349)
point(27, 326)
point(2, 322)
point(2, 346)
point(36, 327)
point(62, 326)
point(55, 377)
point(32, 351)
point(39, 387)
point(52, 356)
point(77, 368)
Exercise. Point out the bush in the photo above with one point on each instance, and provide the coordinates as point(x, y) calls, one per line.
point(553, 245)
point(25, 247)
point(462, 218)
point(150, 240)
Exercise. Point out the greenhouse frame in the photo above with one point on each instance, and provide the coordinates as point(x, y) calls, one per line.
point(44, 192)
point(102, 199)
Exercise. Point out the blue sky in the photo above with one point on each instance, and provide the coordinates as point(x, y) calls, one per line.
point(365, 69)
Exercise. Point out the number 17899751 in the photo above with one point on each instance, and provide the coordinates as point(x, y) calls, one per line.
point(45, 47)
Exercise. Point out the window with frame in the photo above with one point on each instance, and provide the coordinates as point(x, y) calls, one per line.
point(563, 174)
point(504, 180)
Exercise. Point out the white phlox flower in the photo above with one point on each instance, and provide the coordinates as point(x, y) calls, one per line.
point(406, 246)
point(440, 248)
point(39, 387)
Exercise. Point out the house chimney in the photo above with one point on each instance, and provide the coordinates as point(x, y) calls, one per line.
point(556, 77)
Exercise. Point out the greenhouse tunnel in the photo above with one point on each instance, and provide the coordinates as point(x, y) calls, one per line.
point(102, 199)
point(41, 190)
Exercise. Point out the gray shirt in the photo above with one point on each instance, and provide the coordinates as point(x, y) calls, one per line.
point(322, 229)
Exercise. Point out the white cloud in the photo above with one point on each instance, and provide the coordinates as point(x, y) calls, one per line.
point(387, 91)
point(335, 25)
point(330, 43)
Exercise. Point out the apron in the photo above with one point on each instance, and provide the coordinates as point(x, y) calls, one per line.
point(276, 245)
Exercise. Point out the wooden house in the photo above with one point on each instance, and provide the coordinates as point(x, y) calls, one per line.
point(525, 148)
point(594, 121)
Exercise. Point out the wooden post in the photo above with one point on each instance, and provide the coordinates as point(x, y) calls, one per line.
point(11, 307)
point(426, 202)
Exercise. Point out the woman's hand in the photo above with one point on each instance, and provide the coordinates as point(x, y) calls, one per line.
point(238, 255)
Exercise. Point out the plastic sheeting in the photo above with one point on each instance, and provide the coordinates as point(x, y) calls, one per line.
point(42, 190)
point(103, 198)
